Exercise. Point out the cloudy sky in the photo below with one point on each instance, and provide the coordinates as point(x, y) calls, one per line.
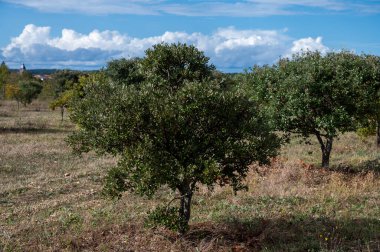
point(235, 34)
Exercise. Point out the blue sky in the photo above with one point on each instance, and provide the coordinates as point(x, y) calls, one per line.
point(235, 34)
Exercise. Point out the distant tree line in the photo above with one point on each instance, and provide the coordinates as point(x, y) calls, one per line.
point(24, 86)
point(20, 86)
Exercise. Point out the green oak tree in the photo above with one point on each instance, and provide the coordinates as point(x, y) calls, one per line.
point(4, 75)
point(179, 128)
point(64, 81)
point(62, 101)
point(312, 94)
point(27, 91)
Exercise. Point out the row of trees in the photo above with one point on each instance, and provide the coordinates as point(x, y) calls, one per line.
point(24, 87)
point(21, 87)
point(173, 120)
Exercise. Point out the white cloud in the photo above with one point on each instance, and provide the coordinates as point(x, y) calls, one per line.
point(29, 36)
point(71, 40)
point(227, 47)
point(308, 44)
point(246, 8)
point(231, 38)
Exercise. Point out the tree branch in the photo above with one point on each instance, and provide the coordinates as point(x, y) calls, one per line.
point(176, 198)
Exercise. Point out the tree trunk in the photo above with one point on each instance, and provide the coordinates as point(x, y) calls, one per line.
point(326, 153)
point(378, 134)
point(326, 148)
point(185, 209)
point(62, 111)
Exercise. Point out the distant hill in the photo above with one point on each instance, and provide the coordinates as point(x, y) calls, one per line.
point(42, 71)
point(49, 71)
point(38, 71)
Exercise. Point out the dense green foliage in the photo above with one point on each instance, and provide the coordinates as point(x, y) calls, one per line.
point(4, 75)
point(28, 91)
point(370, 102)
point(314, 94)
point(179, 128)
point(64, 83)
point(20, 86)
point(172, 66)
point(64, 80)
point(125, 70)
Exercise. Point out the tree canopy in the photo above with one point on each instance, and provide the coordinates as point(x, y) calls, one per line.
point(369, 104)
point(172, 65)
point(27, 91)
point(179, 128)
point(125, 70)
point(4, 75)
point(313, 94)
point(64, 83)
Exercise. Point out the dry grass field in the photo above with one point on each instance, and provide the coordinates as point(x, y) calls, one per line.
point(50, 200)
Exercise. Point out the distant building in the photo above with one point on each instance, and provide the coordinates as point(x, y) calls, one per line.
point(42, 77)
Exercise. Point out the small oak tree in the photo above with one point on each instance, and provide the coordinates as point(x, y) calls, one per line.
point(62, 101)
point(64, 82)
point(312, 94)
point(26, 91)
point(179, 128)
point(4, 75)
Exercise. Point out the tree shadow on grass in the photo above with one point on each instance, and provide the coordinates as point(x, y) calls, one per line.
point(32, 130)
point(366, 166)
point(295, 233)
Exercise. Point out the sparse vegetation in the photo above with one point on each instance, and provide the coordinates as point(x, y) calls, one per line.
point(51, 199)
point(172, 126)
point(63, 84)
point(4, 75)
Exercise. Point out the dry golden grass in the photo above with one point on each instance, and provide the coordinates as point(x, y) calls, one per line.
point(50, 200)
